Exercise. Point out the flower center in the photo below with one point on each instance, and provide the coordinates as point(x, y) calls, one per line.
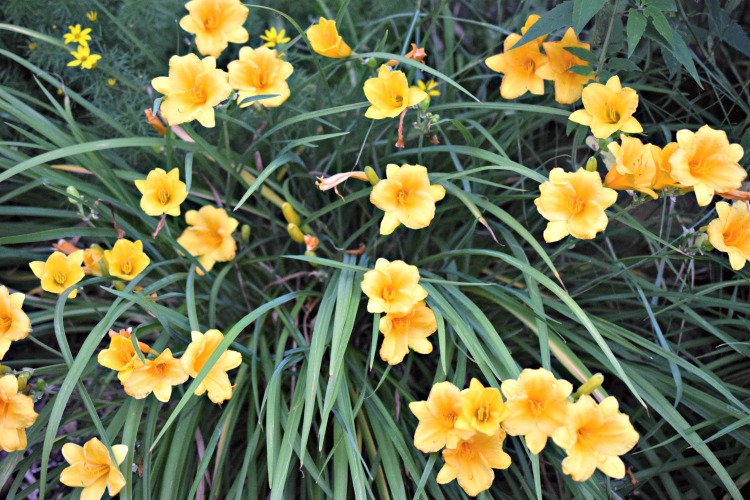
point(160, 369)
point(404, 197)
point(126, 266)
point(613, 116)
point(397, 100)
point(163, 196)
point(389, 293)
point(211, 22)
point(215, 238)
point(464, 451)
point(60, 278)
point(536, 407)
point(199, 94)
point(733, 236)
point(529, 66)
point(576, 205)
point(450, 418)
point(95, 470)
point(583, 434)
point(5, 322)
point(699, 165)
point(483, 412)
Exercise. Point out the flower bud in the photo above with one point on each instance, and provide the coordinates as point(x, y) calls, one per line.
point(295, 233)
point(290, 214)
point(245, 233)
point(371, 175)
point(592, 164)
point(424, 104)
point(23, 379)
point(592, 384)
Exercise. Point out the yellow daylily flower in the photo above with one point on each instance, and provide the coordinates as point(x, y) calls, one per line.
point(707, 162)
point(93, 261)
point(407, 197)
point(663, 178)
point(594, 436)
point(16, 415)
point(260, 72)
point(157, 376)
point(77, 35)
point(482, 409)
point(568, 85)
point(392, 287)
point(216, 381)
point(126, 260)
point(530, 21)
point(574, 203)
point(635, 167)
point(608, 108)
point(163, 192)
point(120, 356)
point(92, 468)
point(402, 331)
point(84, 58)
point(192, 89)
point(538, 406)
point(325, 40)
point(730, 232)
point(14, 323)
point(473, 460)
point(437, 417)
point(215, 23)
point(209, 237)
point(389, 94)
point(273, 37)
point(59, 272)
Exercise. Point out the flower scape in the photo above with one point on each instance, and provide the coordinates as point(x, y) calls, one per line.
point(374, 250)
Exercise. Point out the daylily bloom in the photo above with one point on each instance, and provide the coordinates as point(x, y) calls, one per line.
point(392, 287)
point(472, 461)
point(389, 94)
point(538, 406)
point(84, 58)
point(126, 260)
point(594, 436)
point(121, 355)
point(407, 197)
point(14, 323)
point(216, 381)
point(192, 89)
point(608, 108)
point(402, 331)
point(93, 261)
point(333, 181)
point(730, 232)
point(92, 468)
point(568, 84)
point(163, 192)
point(215, 23)
point(326, 41)
point(16, 415)
point(437, 417)
point(157, 376)
point(273, 37)
point(77, 35)
point(635, 167)
point(707, 162)
point(574, 203)
point(530, 21)
point(260, 72)
point(416, 53)
point(59, 272)
point(663, 178)
point(482, 409)
point(209, 238)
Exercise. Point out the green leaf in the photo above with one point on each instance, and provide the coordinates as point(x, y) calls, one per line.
point(584, 11)
point(661, 24)
point(635, 28)
point(558, 17)
point(582, 53)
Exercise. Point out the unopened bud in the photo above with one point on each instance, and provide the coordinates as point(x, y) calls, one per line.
point(245, 233)
point(592, 164)
point(23, 379)
point(75, 196)
point(371, 175)
point(295, 233)
point(290, 214)
point(592, 384)
point(424, 104)
point(372, 62)
point(311, 253)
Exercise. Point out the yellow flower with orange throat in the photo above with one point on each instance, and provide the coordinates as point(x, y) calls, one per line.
point(59, 272)
point(325, 40)
point(568, 84)
point(215, 23)
point(635, 166)
point(389, 94)
point(472, 462)
point(260, 72)
point(574, 204)
point(120, 356)
point(663, 178)
point(91, 468)
point(594, 435)
point(14, 323)
point(538, 406)
point(402, 331)
point(482, 409)
point(17, 412)
point(163, 192)
point(707, 162)
point(192, 89)
point(407, 197)
point(437, 417)
point(126, 260)
point(209, 237)
point(730, 232)
point(195, 357)
point(157, 375)
point(608, 108)
point(392, 287)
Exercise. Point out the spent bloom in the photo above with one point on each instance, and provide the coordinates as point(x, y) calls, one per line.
point(92, 468)
point(730, 232)
point(482, 409)
point(260, 72)
point(437, 417)
point(389, 94)
point(126, 260)
point(192, 89)
point(392, 287)
point(195, 357)
point(157, 376)
point(538, 406)
point(568, 84)
point(635, 166)
point(402, 331)
point(594, 436)
point(707, 162)
point(326, 41)
point(59, 272)
point(209, 237)
point(407, 197)
point(16, 415)
point(14, 323)
point(472, 462)
point(608, 108)
point(77, 35)
point(574, 203)
point(84, 58)
point(121, 355)
point(215, 23)
point(163, 192)
point(273, 37)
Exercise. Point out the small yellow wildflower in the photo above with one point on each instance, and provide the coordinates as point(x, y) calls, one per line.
point(59, 272)
point(92, 468)
point(92, 16)
point(111, 82)
point(33, 46)
point(84, 58)
point(430, 88)
point(77, 35)
point(273, 37)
